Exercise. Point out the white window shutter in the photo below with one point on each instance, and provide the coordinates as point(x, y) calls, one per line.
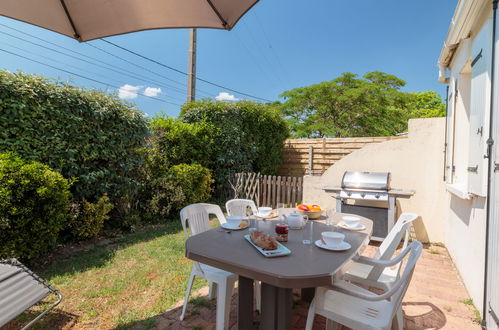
point(480, 102)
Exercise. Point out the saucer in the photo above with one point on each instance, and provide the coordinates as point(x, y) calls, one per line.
point(232, 227)
point(342, 247)
point(270, 215)
point(359, 226)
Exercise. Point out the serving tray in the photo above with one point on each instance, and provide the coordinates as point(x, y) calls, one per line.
point(279, 252)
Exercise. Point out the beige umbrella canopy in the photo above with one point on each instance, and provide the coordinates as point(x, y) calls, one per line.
point(92, 19)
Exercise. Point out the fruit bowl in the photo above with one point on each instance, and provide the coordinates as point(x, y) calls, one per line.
point(314, 211)
point(314, 215)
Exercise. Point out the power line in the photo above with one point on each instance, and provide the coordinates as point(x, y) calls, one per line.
point(75, 67)
point(182, 72)
point(260, 49)
point(119, 70)
point(278, 59)
point(83, 77)
point(143, 68)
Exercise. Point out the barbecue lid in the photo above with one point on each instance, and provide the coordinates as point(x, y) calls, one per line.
point(366, 180)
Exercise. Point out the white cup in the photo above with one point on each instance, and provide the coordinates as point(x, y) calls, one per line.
point(264, 211)
point(332, 238)
point(234, 220)
point(351, 221)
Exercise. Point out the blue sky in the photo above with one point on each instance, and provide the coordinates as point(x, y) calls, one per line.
point(277, 46)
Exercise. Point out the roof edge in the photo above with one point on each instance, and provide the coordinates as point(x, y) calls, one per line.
point(464, 18)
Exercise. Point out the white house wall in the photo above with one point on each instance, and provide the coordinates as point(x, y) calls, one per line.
point(465, 225)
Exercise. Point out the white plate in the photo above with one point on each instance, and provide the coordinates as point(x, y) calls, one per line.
point(269, 216)
point(359, 226)
point(342, 247)
point(279, 252)
point(230, 227)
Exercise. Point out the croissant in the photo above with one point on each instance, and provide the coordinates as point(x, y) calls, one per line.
point(263, 240)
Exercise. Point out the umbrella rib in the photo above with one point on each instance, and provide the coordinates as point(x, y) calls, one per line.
point(224, 23)
point(76, 34)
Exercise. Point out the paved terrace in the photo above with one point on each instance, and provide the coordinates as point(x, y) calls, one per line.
point(436, 299)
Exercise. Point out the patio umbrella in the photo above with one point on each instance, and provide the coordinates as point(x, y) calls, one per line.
point(92, 19)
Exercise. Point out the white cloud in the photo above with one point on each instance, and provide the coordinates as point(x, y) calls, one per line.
point(146, 115)
point(223, 96)
point(128, 91)
point(151, 91)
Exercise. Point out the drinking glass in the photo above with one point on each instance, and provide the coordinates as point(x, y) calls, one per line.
point(329, 217)
point(308, 233)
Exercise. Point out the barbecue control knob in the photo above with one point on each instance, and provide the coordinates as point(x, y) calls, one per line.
point(363, 195)
point(377, 196)
point(349, 194)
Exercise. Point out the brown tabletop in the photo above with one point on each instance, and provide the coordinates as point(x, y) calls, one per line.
point(306, 266)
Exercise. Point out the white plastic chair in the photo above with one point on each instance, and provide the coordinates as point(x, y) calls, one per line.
point(364, 272)
point(240, 207)
point(358, 308)
point(197, 215)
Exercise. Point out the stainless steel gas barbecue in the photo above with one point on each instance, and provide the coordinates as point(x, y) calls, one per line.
point(368, 194)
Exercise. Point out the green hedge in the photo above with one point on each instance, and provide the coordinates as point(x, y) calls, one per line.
point(83, 134)
point(175, 142)
point(181, 185)
point(249, 136)
point(34, 201)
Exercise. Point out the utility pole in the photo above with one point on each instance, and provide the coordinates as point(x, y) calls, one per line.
point(191, 77)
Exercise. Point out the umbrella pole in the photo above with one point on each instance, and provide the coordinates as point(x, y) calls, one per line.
point(191, 77)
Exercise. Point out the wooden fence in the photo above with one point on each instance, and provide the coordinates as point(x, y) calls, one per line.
point(314, 156)
point(268, 190)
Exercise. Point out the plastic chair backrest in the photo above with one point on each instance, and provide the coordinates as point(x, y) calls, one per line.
point(394, 237)
point(240, 207)
point(197, 217)
point(215, 210)
point(391, 243)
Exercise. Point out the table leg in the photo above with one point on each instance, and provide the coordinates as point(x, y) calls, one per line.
point(307, 294)
point(268, 307)
point(284, 307)
point(277, 304)
point(245, 304)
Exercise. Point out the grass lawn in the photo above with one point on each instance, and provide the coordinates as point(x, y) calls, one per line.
point(121, 283)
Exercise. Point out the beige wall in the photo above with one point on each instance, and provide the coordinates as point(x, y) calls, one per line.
point(415, 163)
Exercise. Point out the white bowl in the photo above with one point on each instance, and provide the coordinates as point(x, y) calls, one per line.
point(234, 220)
point(332, 238)
point(264, 211)
point(351, 221)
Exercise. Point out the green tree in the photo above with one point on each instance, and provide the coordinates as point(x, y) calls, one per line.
point(427, 105)
point(371, 105)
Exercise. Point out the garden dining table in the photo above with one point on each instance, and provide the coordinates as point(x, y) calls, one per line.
point(306, 267)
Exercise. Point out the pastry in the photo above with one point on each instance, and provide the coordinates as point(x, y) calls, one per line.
point(263, 240)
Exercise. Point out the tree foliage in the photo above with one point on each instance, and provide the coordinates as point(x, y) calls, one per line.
point(371, 105)
point(427, 105)
point(248, 136)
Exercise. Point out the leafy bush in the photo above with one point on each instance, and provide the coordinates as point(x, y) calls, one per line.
point(179, 186)
point(249, 135)
point(83, 134)
point(175, 142)
point(34, 201)
point(88, 218)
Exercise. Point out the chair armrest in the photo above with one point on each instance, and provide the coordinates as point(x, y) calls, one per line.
point(382, 263)
point(353, 290)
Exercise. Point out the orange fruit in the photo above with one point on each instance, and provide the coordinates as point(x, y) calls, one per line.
point(315, 208)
